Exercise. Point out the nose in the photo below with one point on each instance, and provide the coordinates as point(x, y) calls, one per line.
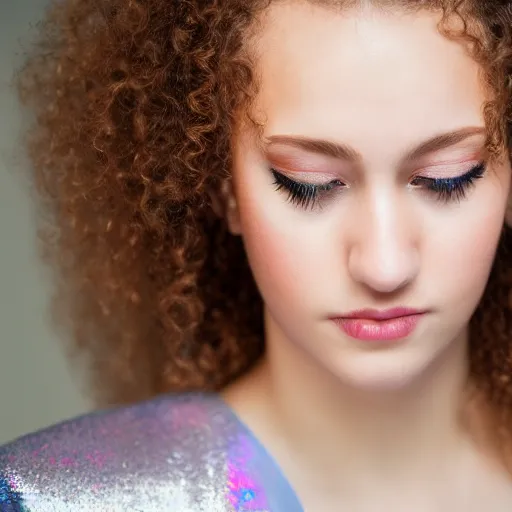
point(384, 255)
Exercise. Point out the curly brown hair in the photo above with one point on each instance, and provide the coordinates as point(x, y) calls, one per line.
point(134, 104)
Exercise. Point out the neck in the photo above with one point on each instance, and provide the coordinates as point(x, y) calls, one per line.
point(299, 408)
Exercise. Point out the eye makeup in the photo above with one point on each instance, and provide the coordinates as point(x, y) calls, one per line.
point(309, 195)
point(301, 194)
point(450, 189)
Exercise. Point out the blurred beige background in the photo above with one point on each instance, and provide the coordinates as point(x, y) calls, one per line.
point(36, 385)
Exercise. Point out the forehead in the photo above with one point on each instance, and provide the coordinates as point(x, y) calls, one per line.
point(363, 76)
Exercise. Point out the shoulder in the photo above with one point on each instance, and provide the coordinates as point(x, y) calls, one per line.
point(122, 459)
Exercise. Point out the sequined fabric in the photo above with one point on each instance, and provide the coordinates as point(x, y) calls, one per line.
point(183, 453)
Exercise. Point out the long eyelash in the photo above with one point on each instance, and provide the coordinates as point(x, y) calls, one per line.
point(453, 189)
point(305, 195)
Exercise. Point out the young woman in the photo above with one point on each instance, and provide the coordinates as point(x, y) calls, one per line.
point(293, 216)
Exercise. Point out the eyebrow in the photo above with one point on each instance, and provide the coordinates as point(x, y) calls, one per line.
point(345, 152)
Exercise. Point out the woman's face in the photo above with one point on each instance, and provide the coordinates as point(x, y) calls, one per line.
point(369, 190)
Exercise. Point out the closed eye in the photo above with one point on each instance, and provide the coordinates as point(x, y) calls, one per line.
point(305, 195)
point(308, 195)
point(451, 189)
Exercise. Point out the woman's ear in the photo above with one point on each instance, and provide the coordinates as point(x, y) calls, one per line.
point(225, 205)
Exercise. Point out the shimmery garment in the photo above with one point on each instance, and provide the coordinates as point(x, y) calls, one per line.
point(178, 453)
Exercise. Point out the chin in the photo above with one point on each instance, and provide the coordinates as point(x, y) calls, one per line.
point(379, 371)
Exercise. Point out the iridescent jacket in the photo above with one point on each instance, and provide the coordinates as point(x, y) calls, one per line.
point(179, 453)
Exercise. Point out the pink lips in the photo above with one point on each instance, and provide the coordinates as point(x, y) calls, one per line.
point(374, 325)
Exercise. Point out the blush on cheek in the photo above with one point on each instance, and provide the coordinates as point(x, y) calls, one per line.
point(277, 258)
point(271, 258)
point(468, 258)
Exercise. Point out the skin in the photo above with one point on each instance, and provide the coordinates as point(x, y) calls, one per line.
point(341, 416)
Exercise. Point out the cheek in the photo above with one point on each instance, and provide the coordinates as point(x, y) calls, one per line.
point(464, 251)
point(288, 260)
